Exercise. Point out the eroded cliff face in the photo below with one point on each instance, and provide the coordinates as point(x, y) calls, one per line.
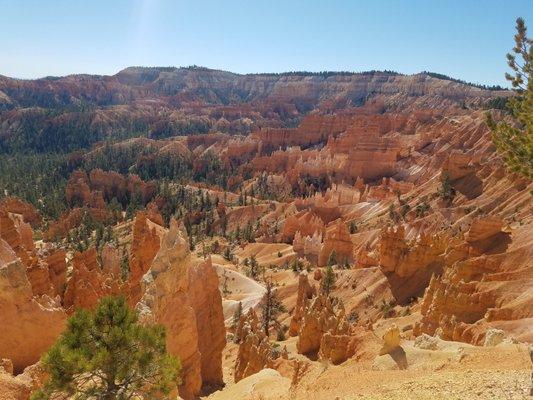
point(16, 206)
point(30, 324)
point(88, 282)
point(405, 224)
point(90, 190)
point(162, 102)
point(37, 293)
point(202, 85)
point(31, 283)
point(491, 290)
point(21, 385)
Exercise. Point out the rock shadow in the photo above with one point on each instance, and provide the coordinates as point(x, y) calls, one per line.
point(405, 289)
point(208, 388)
point(495, 244)
point(399, 357)
point(469, 186)
point(312, 355)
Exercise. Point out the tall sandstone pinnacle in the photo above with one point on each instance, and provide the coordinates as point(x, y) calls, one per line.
point(180, 291)
point(144, 247)
point(305, 292)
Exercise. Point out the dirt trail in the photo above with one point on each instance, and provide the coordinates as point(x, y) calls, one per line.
point(236, 288)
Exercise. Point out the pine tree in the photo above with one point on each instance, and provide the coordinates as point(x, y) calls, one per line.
point(237, 314)
point(106, 354)
point(296, 265)
point(393, 215)
point(332, 259)
point(124, 267)
point(328, 281)
point(446, 191)
point(191, 243)
point(228, 254)
point(225, 289)
point(270, 307)
point(116, 209)
point(515, 140)
point(99, 236)
point(224, 225)
point(254, 267)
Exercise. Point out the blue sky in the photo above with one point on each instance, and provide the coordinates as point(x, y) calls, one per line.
point(465, 39)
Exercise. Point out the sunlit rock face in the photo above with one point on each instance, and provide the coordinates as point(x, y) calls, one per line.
point(180, 292)
point(88, 282)
point(337, 241)
point(30, 324)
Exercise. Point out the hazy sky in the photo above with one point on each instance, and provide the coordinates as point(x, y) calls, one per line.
point(466, 39)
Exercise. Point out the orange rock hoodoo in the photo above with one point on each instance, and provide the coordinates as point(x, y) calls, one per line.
point(193, 316)
point(145, 244)
point(404, 258)
point(325, 331)
point(255, 351)
point(88, 283)
point(305, 223)
point(305, 293)
point(337, 240)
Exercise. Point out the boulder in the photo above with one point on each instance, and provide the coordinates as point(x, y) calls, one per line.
point(493, 337)
point(267, 384)
point(391, 340)
point(337, 348)
point(21, 386)
point(426, 342)
point(7, 365)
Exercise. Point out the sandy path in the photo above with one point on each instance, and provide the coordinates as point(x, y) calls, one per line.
point(239, 288)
